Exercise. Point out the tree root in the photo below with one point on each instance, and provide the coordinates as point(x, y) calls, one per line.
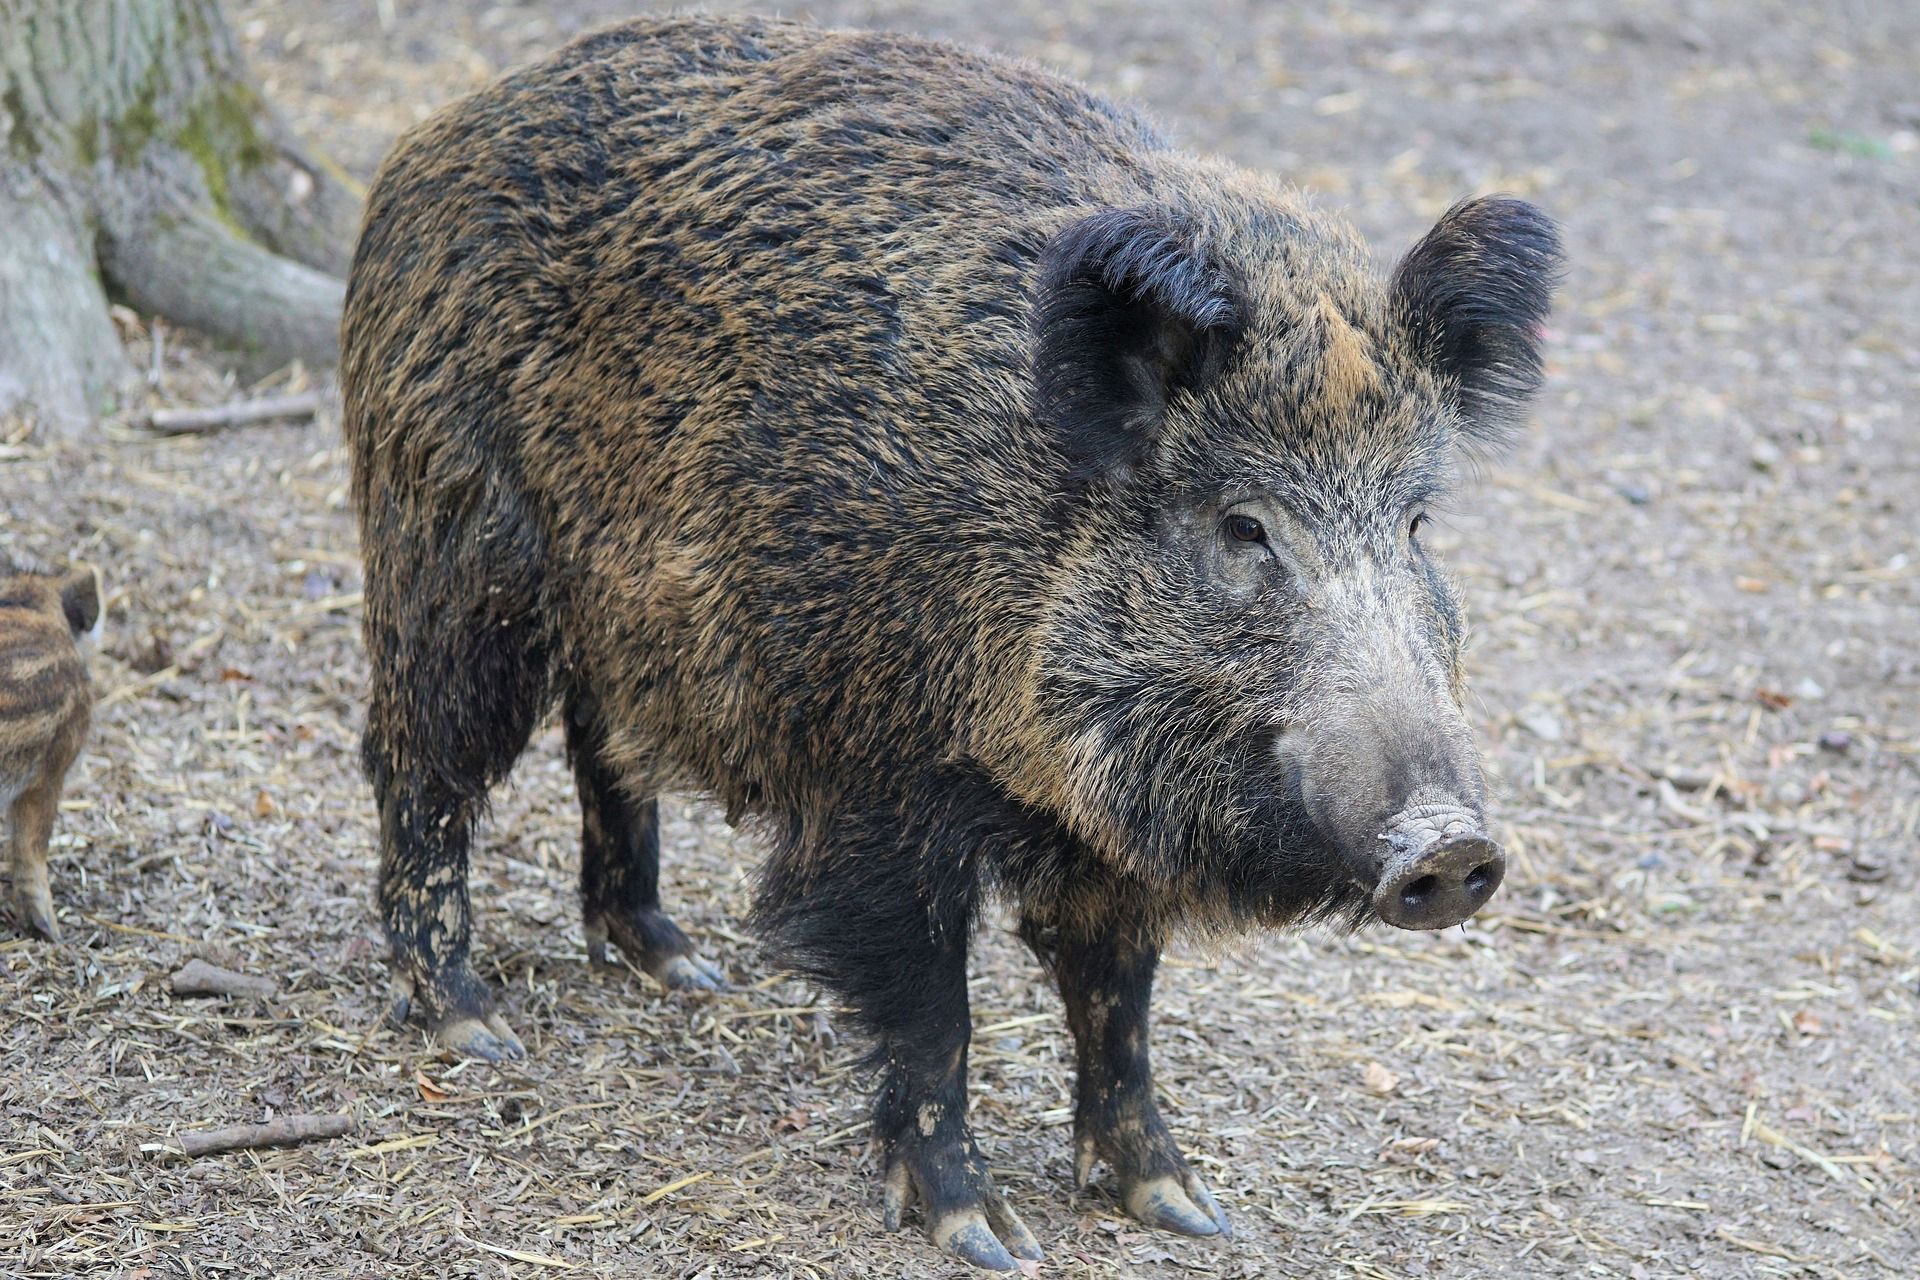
point(138, 157)
point(58, 348)
point(189, 267)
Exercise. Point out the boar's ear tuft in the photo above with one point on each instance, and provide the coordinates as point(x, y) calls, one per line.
point(80, 599)
point(1474, 294)
point(1127, 312)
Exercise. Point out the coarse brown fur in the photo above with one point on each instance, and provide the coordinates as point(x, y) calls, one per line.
point(843, 426)
point(46, 702)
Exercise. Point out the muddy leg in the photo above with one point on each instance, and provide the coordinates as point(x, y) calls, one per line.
point(460, 632)
point(423, 902)
point(620, 872)
point(31, 826)
point(452, 707)
point(921, 1117)
point(1106, 981)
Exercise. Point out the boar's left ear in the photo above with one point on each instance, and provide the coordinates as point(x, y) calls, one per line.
point(1474, 294)
point(1127, 312)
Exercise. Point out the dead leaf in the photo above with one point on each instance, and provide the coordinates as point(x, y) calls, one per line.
point(429, 1091)
point(1379, 1080)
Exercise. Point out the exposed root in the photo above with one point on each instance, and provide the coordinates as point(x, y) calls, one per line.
point(58, 350)
point(136, 153)
point(192, 268)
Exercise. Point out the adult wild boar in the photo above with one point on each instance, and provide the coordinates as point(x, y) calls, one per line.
point(922, 457)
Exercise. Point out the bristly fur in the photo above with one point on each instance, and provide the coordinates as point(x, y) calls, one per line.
point(842, 426)
point(1475, 292)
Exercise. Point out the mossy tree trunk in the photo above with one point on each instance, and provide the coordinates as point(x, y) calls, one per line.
point(138, 159)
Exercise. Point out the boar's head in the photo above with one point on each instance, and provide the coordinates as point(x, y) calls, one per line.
point(1248, 682)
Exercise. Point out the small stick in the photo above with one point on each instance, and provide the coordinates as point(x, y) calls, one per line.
point(287, 1131)
point(181, 422)
point(198, 978)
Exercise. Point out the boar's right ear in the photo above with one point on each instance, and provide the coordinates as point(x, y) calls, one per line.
point(1474, 294)
point(1127, 312)
point(80, 599)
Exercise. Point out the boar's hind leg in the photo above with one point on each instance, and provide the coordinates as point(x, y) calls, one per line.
point(620, 871)
point(1106, 981)
point(438, 736)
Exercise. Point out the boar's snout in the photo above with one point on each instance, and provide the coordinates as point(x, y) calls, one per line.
point(1440, 868)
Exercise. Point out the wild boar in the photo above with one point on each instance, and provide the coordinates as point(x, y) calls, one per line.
point(925, 459)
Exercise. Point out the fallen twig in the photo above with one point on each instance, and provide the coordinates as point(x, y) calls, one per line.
point(286, 1131)
point(182, 422)
point(198, 978)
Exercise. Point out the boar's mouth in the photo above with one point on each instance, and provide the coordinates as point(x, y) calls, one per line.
point(1440, 867)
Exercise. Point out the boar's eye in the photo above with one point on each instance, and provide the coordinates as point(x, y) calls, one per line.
point(1413, 526)
point(1244, 528)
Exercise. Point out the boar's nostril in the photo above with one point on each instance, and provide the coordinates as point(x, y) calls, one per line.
point(1441, 884)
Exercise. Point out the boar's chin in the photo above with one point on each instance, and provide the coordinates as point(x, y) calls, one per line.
point(1316, 898)
point(1280, 872)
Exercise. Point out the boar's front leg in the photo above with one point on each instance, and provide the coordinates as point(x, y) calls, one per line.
point(1106, 982)
point(885, 919)
point(921, 1117)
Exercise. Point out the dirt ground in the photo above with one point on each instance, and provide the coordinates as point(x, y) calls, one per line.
point(1681, 1042)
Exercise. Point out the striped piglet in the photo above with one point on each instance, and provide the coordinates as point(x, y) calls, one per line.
point(46, 701)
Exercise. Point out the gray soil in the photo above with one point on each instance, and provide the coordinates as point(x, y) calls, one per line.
point(1679, 1043)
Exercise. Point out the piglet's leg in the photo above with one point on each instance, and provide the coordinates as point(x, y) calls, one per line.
point(1106, 980)
point(31, 822)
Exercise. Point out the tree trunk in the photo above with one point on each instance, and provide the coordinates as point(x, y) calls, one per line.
point(137, 158)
